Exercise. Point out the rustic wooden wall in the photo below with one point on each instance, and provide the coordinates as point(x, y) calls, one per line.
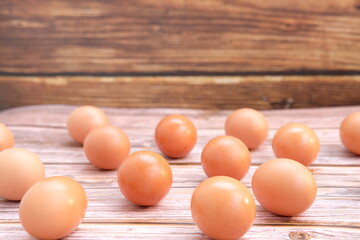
point(180, 53)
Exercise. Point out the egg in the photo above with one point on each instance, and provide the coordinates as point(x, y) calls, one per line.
point(106, 147)
point(225, 156)
point(284, 187)
point(19, 170)
point(53, 208)
point(145, 178)
point(176, 136)
point(6, 137)
point(350, 132)
point(249, 125)
point(297, 142)
point(223, 208)
point(83, 119)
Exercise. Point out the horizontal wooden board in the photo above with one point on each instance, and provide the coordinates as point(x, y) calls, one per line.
point(93, 178)
point(42, 129)
point(54, 145)
point(147, 118)
point(107, 205)
point(213, 92)
point(173, 36)
point(188, 231)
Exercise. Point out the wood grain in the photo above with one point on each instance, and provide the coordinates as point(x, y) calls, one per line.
point(334, 215)
point(212, 92)
point(188, 231)
point(107, 205)
point(178, 36)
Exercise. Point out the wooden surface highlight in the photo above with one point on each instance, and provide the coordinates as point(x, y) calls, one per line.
point(334, 215)
point(175, 36)
point(211, 92)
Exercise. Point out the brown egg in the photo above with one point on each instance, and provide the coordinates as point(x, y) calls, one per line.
point(19, 170)
point(53, 208)
point(225, 156)
point(175, 136)
point(296, 141)
point(249, 125)
point(6, 138)
point(145, 178)
point(106, 147)
point(223, 208)
point(83, 119)
point(350, 132)
point(284, 187)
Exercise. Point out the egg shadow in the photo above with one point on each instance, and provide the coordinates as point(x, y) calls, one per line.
point(349, 154)
point(273, 216)
point(133, 207)
point(4, 200)
point(71, 144)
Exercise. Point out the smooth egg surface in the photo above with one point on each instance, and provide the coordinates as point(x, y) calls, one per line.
point(296, 141)
point(106, 147)
point(53, 208)
point(284, 187)
point(83, 119)
point(6, 137)
point(19, 170)
point(175, 135)
point(350, 132)
point(225, 156)
point(145, 178)
point(248, 125)
point(223, 208)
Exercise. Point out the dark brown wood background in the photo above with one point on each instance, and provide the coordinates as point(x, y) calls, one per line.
point(180, 53)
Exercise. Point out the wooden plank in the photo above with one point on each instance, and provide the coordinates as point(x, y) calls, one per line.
point(173, 36)
point(107, 205)
point(188, 231)
point(334, 214)
point(213, 92)
point(93, 178)
point(71, 153)
point(55, 146)
point(147, 118)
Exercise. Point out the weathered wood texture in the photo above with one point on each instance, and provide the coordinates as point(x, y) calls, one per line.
point(334, 215)
point(177, 36)
point(212, 92)
point(144, 53)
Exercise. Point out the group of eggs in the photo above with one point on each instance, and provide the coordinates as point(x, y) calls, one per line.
point(222, 207)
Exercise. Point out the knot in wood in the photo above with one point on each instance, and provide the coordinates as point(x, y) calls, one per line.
point(285, 103)
point(299, 236)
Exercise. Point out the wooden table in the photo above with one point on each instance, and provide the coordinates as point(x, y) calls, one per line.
point(334, 215)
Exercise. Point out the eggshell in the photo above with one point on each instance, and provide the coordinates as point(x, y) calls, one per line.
point(297, 142)
point(83, 119)
point(223, 208)
point(225, 156)
point(6, 137)
point(249, 125)
point(106, 147)
point(145, 178)
point(284, 187)
point(176, 136)
point(350, 132)
point(19, 170)
point(53, 208)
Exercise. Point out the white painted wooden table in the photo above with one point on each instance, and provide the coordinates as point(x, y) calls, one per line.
point(334, 215)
